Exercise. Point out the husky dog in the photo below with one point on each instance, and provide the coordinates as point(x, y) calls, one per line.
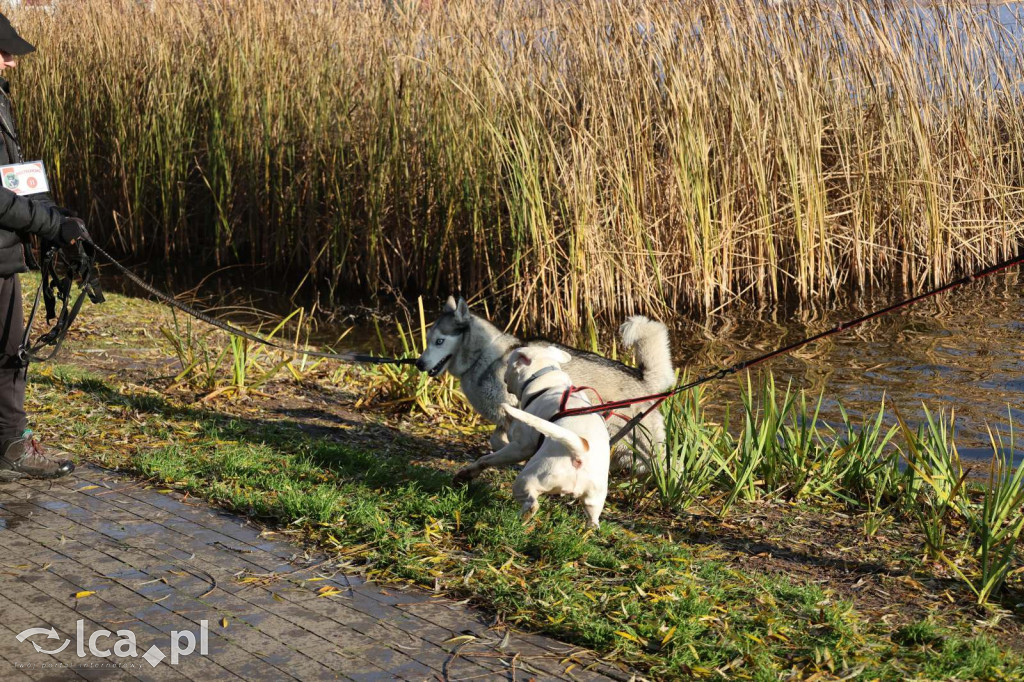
point(567, 457)
point(476, 352)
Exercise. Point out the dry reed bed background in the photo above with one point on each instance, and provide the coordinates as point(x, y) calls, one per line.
point(576, 160)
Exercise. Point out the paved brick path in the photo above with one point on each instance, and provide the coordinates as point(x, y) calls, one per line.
point(157, 563)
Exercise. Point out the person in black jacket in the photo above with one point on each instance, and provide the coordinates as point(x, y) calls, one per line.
point(20, 217)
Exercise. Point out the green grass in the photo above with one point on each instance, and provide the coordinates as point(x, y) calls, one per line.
point(676, 607)
point(612, 590)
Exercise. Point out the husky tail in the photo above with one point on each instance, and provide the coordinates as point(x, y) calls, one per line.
point(576, 445)
point(649, 341)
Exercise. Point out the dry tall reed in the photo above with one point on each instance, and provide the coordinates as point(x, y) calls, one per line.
point(575, 161)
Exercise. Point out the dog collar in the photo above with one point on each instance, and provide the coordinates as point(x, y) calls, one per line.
point(526, 384)
point(538, 375)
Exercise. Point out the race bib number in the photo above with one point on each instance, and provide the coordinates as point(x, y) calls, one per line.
point(25, 178)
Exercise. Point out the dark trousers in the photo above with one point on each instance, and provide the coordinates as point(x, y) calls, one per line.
point(12, 373)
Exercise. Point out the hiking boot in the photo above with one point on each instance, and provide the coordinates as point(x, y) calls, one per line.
point(25, 457)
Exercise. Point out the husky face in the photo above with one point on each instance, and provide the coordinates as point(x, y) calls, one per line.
point(445, 337)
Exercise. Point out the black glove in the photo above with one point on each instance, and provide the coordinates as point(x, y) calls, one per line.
point(71, 230)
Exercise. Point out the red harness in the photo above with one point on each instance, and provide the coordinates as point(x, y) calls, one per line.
point(608, 414)
point(577, 389)
point(565, 400)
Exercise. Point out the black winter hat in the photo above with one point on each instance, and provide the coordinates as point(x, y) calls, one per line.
point(10, 41)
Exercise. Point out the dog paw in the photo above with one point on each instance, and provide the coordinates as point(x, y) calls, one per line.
point(466, 474)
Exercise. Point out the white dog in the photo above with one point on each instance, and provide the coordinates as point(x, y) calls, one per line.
point(570, 457)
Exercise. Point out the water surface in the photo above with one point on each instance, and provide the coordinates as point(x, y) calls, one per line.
point(961, 352)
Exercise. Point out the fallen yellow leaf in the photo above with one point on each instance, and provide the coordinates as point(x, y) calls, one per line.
point(460, 639)
point(630, 637)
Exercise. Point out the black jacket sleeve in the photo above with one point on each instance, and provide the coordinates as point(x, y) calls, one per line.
point(28, 216)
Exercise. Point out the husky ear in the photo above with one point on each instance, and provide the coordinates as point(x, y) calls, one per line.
point(561, 357)
point(449, 305)
point(462, 311)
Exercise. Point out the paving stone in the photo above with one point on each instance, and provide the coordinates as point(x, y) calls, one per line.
point(10, 654)
point(63, 662)
point(159, 563)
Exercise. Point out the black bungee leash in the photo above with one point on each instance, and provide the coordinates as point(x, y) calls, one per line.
point(80, 263)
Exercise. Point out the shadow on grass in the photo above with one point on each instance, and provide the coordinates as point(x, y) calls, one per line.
point(375, 454)
point(378, 458)
point(836, 570)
